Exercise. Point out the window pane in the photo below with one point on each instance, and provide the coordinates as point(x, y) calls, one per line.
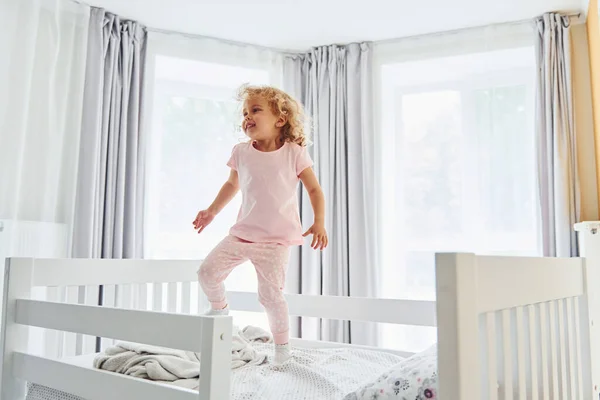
point(459, 169)
point(197, 137)
point(430, 164)
point(505, 149)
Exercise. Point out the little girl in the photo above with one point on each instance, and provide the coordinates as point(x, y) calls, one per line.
point(266, 169)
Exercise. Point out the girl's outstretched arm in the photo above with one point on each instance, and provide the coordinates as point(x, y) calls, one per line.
point(317, 200)
point(225, 195)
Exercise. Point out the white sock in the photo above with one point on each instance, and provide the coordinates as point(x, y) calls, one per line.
point(283, 353)
point(222, 311)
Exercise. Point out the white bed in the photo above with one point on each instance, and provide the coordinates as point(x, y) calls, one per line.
point(526, 324)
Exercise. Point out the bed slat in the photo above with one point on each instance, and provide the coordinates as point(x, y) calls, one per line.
point(108, 300)
point(533, 345)
point(70, 338)
point(52, 340)
point(172, 297)
point(491, 356)
point(185, 297)
point(507, 358)
point(572, 354)
point(521, 354)
point(143, 296)
point(554, 350)
point(91, 299)
point(544, 334)
point(562, 337)
point(578, 345)
point(157, 296)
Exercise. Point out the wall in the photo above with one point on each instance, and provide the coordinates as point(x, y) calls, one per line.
point(593, 34)
point(584, 123)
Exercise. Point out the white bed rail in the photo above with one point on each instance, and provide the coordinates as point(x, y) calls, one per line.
point(154, 328)
point(154, 285)
point(211, 336)
point(170, 274)
point(537, 342)
point(392, 311)
point(80, 272)
point(406, 312)
point(171, 286)
point(153, 322)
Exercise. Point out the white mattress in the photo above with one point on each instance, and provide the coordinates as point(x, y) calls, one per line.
point(312, 374)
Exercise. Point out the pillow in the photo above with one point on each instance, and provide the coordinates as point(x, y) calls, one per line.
point(414, 378)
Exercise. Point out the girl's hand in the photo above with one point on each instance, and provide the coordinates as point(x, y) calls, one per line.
point(320, 240)
point(203, 218)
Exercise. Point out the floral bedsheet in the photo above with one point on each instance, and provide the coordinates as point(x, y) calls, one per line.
point(412, 379)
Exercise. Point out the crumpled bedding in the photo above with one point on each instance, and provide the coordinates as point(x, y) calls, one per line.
point(178, 367)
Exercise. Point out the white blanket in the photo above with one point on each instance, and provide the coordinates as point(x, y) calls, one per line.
point(179, 367)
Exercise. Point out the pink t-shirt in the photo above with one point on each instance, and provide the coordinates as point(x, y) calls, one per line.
point(269, 182)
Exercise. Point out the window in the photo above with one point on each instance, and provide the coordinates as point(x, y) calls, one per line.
point(459, 169)
point(195, 126)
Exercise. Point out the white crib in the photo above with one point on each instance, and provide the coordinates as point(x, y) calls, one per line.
point(508, 327)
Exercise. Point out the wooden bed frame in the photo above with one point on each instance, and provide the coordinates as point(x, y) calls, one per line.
point(508, 327)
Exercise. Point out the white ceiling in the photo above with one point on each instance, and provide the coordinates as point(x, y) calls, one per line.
point(295, 25)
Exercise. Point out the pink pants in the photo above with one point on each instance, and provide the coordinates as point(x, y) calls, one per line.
point(270, 262)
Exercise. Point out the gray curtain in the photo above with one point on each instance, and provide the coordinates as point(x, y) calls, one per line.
point(109, 205)
point(110, 186)
point(335, 85)
point(559, 190)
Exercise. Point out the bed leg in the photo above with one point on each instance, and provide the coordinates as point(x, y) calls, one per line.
point(457, 329)
point(18, 281)
point(215, 362)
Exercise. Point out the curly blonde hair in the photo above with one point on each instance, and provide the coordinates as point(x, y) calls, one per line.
point(282, 104)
